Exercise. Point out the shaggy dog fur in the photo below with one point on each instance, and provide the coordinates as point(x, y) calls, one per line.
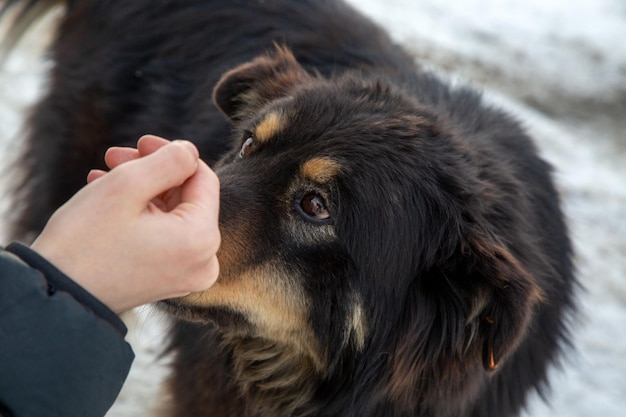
point(392, 246)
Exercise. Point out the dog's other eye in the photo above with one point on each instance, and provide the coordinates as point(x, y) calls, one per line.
point(314, 206)
point(245, 148)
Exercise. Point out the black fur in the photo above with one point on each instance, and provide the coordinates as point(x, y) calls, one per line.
point(446, 226)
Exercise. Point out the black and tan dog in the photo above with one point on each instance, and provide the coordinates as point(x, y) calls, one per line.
point(392, 246)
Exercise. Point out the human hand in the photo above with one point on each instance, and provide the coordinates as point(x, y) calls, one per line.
point(146, 230)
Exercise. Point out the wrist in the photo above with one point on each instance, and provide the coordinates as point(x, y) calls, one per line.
point(80, 269)
point(58, 281)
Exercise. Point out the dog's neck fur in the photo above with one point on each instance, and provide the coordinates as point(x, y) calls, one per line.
point(276, 379)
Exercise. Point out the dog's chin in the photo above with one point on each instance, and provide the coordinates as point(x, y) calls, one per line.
point(224, 318)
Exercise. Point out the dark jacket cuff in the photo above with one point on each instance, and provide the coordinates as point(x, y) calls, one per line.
point(58, 281)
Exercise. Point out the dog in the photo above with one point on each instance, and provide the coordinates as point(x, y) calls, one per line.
point(392, 245)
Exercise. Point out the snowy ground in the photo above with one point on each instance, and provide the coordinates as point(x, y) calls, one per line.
point(561, 68)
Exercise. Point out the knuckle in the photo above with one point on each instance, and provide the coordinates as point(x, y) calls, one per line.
point(124, 179)
point(179, 156)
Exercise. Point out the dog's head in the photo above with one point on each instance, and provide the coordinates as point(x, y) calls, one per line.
point(356, 223)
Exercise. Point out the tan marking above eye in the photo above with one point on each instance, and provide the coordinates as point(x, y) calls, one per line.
point(320, 170)
point(272, 124)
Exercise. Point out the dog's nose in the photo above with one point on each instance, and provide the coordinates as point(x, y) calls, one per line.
point(242, 221)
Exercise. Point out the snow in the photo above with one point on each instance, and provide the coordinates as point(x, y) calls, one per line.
point(560, 67)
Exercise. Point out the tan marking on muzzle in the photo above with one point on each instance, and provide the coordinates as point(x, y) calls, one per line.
point(271, 300)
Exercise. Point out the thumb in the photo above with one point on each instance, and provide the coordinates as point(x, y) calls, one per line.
point(166, 168)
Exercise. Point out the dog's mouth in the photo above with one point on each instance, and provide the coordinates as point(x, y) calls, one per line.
point(222, 317)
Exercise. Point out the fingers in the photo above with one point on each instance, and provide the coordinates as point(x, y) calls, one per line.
point(168, 167)
point(116, 156)
point(148, 144)
point(113, 157)
point(94, 174)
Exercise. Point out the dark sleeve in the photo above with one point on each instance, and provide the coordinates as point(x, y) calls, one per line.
point(62, 352)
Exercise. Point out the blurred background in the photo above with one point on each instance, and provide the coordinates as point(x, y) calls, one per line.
point(560, 68)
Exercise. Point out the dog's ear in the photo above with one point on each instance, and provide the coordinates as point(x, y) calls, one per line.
point(472, 309)
point(504, 296)
point(251, 85)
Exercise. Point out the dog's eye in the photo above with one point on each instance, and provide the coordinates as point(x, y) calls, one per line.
point(245, 148)
point(314, 206)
